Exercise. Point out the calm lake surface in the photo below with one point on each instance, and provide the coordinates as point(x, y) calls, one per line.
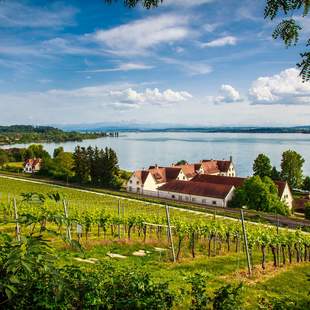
point(139, 150)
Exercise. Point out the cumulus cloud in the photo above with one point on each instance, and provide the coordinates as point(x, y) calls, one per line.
point(123, 67)
point(228, 40)
point(227, 94)
point(16, 14)
point(95, 100)
point(138, 36)
point(283, 88)
point(150, 96)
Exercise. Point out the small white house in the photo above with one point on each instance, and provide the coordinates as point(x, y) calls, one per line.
point(146, 182)
point(32, 165)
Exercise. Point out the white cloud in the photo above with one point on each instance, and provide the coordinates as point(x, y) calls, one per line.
point(123, 67)
point(283, 88)
point(74, 105)
point(139, 36)
point(73, 46)
point(228, 40)
point(15, 14)
point(191, 68)
point(150, 96)
point(227, 94)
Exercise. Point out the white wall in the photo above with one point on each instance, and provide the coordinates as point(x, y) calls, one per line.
point(287, 197)
point(192, 198)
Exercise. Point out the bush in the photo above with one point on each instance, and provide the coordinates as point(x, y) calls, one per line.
point(31, 279)
point(307, 211)
point(228, 298)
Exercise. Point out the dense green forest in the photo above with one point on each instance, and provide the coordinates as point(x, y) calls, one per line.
point(28, 134)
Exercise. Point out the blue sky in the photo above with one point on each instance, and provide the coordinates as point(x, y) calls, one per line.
point(192, 62)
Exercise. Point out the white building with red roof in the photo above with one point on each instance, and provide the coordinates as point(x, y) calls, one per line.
point(32, 165)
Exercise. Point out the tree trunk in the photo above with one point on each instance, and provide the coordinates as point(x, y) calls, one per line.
point(228, 241)
point(283, 254)
point(273, 250)
point(179, 247)
point(264, 257)
point(144, 233)
point(237, 244)
point(289, 253)
point(209, 245)
point(129, 232)
point(193, 244)
point(297, 253)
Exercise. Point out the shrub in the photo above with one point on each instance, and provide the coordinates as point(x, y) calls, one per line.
point(307, 211)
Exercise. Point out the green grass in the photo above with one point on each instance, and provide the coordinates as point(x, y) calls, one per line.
point(229, 268)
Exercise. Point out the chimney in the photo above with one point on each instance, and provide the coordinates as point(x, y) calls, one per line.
point(230, 158)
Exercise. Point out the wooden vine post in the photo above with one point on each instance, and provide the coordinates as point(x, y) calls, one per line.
point(66, 216)
point(119, 216)
point(246, 244)
point(17, 228)
point(170, 239)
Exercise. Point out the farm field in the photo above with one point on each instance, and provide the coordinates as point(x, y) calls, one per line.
point(212, 246)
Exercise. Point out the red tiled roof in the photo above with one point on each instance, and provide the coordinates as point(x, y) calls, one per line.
point(299, 204)
point(164, 174)
point(141, 175)
point(210, 166)
point(281, 187)
point(197, 188)
point(215, 166)
point(190, 170)
point(235, 181)
point(33, 162)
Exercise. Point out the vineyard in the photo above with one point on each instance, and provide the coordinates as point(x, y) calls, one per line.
point(76, 219)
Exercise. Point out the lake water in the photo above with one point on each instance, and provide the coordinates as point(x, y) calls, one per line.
point(138, 150)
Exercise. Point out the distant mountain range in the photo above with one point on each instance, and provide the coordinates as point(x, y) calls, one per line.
point(166, 128)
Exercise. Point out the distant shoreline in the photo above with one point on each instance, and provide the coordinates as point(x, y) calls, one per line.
point(254, 130)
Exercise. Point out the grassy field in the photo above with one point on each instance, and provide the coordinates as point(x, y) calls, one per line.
point(222, 267)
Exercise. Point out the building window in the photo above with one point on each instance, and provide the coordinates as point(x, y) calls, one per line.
point(138, 182)
point(204, 201)
point(186, 198)
point(214, 202)
point(130, 188)
point(193, 199)
point(130, 181)
point(180, 198)
point(183, 178)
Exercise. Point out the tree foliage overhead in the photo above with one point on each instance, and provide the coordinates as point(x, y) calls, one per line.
point(145, 3)
point(288, 30)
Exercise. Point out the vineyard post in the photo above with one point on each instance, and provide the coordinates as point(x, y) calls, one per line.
point(66, 216)
point(17, 228)
point(246, 243)
point(119, 216)
point(170, 233)
point(124, 229)
point(278, 248)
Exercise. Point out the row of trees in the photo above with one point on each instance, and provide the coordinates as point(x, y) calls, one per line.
point(291, 169)
point(98, 166)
